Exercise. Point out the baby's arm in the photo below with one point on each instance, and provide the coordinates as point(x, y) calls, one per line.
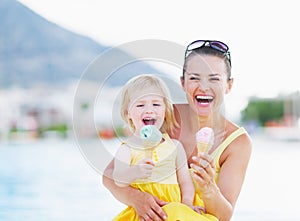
point(184, 178)
point(124, 173)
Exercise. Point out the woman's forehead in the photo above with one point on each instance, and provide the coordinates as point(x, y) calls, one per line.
point(205, 63)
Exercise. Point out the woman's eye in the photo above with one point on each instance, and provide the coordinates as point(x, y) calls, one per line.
point(215, 79)
point(194, 78)
point(139, 105)
point(156, 105)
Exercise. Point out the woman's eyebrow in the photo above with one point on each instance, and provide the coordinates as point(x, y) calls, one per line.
point(214, 74)
point(197, 74)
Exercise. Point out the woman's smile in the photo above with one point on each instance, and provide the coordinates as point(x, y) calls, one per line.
point(204, 100)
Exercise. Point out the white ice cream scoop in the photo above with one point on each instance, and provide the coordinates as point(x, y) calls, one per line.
point(150, 135)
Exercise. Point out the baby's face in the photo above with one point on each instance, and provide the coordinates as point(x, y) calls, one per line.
point(147, 109)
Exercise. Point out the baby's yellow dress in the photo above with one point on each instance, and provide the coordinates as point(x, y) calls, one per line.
point(163, 182)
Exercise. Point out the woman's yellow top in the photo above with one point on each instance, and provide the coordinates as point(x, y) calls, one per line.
point(216, 154)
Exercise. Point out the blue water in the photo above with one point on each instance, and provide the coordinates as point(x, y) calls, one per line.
point(51, 180)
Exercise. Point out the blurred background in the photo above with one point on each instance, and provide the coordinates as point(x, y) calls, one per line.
point(45, 47)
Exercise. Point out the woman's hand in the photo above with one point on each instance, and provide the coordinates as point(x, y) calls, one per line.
point(204, 174)
point(148, 207)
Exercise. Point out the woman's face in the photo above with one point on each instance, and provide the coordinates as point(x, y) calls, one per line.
point(205, 83)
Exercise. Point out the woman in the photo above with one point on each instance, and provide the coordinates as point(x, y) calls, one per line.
point(219, 175)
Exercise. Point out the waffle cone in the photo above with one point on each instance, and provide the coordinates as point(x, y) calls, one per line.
point(149, 153)
point(202, 147)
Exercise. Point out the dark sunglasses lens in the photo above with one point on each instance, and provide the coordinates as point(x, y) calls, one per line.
point(195, 45)
point(219, 46)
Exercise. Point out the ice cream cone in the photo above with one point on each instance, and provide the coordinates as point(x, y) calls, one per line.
point(149, 153)
point(151, 138)
point(205, 139)
point(202, 147)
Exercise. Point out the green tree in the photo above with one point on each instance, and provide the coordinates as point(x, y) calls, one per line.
point(263, 111)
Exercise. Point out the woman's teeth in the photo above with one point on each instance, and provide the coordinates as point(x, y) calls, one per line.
point(204, 98)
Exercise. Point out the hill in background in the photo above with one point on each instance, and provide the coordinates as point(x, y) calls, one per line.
point(35, 51)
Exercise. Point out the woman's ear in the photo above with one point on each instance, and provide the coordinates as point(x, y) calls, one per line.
point(229, 85)
point(182, 82)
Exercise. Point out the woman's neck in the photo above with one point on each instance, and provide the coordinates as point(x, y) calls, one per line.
point(216, 121)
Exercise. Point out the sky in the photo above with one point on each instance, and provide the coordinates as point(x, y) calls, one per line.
point(262, 35)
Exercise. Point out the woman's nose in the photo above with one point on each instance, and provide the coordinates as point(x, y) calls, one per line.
point(203, 84)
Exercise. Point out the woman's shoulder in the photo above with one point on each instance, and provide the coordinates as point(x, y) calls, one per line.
point(181, 106)
point(241, 138)
point(234, 128)
point(240, 145)
point(180, 111)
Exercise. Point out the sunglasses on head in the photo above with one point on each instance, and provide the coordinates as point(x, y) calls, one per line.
point(216, 45)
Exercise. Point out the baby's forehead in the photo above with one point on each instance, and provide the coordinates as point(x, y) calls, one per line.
point(143, 91)
point(138, 97)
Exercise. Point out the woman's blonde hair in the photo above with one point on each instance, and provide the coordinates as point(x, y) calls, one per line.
point(140, 83)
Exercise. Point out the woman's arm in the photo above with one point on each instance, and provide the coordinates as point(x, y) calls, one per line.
point(143, 203)
point(183, 175)
point(220, 200)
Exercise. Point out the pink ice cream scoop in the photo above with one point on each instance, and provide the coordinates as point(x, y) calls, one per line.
point(205, 139)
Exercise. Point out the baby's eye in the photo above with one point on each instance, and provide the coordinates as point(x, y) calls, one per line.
point(156, 104)
point(139, 105)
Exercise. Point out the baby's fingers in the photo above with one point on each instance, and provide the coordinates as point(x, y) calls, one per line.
point(199, 209)
point(146, 161)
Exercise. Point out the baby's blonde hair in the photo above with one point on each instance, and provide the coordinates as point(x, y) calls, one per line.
point(140, 83)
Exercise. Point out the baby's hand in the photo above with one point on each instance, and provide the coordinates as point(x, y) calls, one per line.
point(198, 209)
point(143, 169)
